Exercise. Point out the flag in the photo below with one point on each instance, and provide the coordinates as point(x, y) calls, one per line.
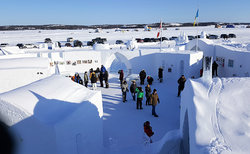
point(158, 34)
point(196, 16)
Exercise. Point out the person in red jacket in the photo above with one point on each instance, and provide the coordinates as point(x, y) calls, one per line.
point(148, 130)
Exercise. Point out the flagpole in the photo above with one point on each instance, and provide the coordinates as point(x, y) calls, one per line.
point(196, 49)
point(196, 21)
point(161, 36)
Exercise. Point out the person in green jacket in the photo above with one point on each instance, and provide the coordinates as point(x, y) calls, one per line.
point(140, 95)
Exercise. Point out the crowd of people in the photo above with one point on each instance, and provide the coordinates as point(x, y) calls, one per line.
point(101, 75)
point(137, 92)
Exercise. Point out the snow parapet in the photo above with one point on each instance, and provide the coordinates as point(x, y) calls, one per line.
point(182, 39)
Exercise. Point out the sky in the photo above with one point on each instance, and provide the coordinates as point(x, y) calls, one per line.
point(92, 12)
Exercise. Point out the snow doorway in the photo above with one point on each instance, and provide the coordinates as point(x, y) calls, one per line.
point(185, 138)
point(119, 62)
point(181, 67)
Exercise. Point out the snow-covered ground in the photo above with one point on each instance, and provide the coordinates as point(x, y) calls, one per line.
point(123, 123)
point(218, 111)
point(36, 36)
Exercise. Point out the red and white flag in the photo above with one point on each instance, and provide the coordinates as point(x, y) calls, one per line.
point(158, 34)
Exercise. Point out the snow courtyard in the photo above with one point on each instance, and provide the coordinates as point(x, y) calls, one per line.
point(49, 113)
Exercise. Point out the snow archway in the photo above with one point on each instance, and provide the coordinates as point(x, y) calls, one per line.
point(118, 61)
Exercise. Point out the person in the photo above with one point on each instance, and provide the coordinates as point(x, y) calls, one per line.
point(124, 88)
point(150, 80)
point(59, 44)
point(160, 74)
point(91, 70)
point(97, 73)
point(121, 76)
point(148, 130)
point(154, 100)
point(201, 72)
point(103, 69)
point(132, 88)
point(106, 79)
point(76, 78)
point(214, 68)
point(86, 79)
point(93, 80)
point(101, 74)
point(142, 75)
point(181, 81)
point(140, 95)
point(148, 94)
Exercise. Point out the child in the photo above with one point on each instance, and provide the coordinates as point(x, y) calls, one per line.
point(148, 130)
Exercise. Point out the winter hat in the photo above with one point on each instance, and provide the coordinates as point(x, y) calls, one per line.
point(146, 123)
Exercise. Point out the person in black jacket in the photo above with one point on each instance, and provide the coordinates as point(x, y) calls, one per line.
point(181, 81)
point(93, 79)
point(101, 76)
point(142, 75)
point(160, 74)
point(106, 78)
point(150, 80)
point(133, 87)
point(214, 68)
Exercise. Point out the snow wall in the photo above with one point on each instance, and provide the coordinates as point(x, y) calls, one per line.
point(17, 72)
point(174, 63)
point(73, 61)
point(60, 117)
point(231, 62)
point(214, 116)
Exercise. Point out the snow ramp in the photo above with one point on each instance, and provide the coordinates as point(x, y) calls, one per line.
point(215, 116)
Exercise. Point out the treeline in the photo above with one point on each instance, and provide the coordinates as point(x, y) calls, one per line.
point(128, 26)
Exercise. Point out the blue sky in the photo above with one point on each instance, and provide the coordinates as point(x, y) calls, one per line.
point(90, 12)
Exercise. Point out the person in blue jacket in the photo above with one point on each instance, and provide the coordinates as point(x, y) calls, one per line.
point(103, 69)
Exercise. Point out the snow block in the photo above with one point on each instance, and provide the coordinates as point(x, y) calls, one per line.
point(60, 117)
point(214, 116)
